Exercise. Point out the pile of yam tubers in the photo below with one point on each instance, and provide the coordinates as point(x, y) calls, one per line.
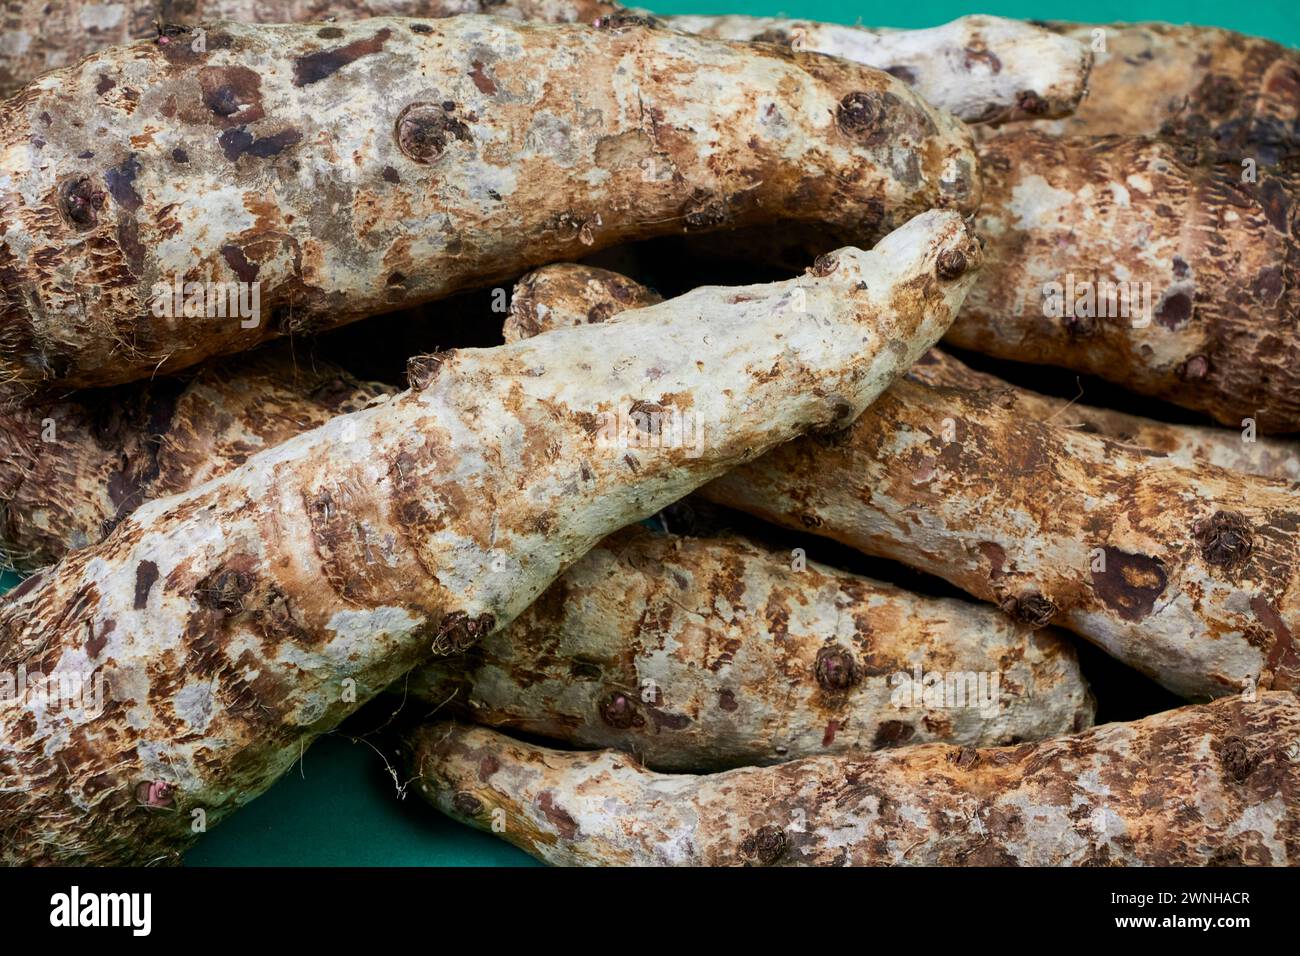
point(604, 535)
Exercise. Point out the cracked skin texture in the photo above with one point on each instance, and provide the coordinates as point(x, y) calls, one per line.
point(227, 619)
point(1018, 512)
point(705, 654)
point(1237, 95)
point(971, 480)
point(1222, 258)
point(308, 159)
point(113, 451)
point(1214, 784)
point(567, 294)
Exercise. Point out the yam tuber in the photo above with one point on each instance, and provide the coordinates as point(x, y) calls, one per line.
point(237, 621)
point(1214, 784)
point(1187, 574)
point(1119, 258)
point(1236, 95)
point(330, 172)
point(568, 294)
point(699, 654)
point(980, 68)
point(983, 69)
point(71, 470)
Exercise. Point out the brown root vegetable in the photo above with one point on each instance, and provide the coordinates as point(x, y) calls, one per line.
point(237, 621)
point(1190, 575)
point(568, 294)
point(980, 68)
point(71, 470)
point(1118, 258)
point(699, 654)
point(1238, 96)
point(1206, 785)
point(324, 173)
point(41, 36)
point(1184, 445)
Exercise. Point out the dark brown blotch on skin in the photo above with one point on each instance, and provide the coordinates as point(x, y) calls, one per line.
point(860, 115)
point(80, 201)
point(239, 142)
point(466, 804)
point(765, 846)
point(1237, 759)
point(1130, 583)
point(1031, 608)
point(835, 669)
point(121, 184)
point(322, 64)
point(618, 711)
point(424, 131)
point(233, 94)
point(146, 574)
point(1226, 539)
point(892, 733)
point(458, 632)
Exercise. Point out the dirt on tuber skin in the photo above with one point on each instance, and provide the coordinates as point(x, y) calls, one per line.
point(237, 621)
point(1202, 265)
point(1236, 95)
point(305, 162)
point(568, 294)
point(697, 654)
point(1187, 574)
point(71, 470)
point(982, 69)
point(1215, 784)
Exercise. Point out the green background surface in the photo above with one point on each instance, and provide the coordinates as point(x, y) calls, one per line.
point(339, 805)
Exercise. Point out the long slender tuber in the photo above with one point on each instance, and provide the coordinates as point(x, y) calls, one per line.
point(982, 69)
point(568, 294)
point(1119, 258)
point(338, 171)
point(1215, 784)
point(699, 654)
point(237, 621)
point(1187, 574)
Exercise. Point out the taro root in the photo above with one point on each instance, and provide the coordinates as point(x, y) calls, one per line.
point(326, 173)
point(698, 654)
point(235, 622)
point(1122, 258)
point(1205, 785)
point(1237, 96)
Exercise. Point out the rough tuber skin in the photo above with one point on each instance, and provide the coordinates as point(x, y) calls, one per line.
point(1187, 446)
point(569, 294)
point(697, 654)
point(71, 470)
point(1214, 784)
point(350, 169)
point(1237, 96)
point(1213, 257)
point(980, 68)
point(239, 620)
point(1187, 574)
